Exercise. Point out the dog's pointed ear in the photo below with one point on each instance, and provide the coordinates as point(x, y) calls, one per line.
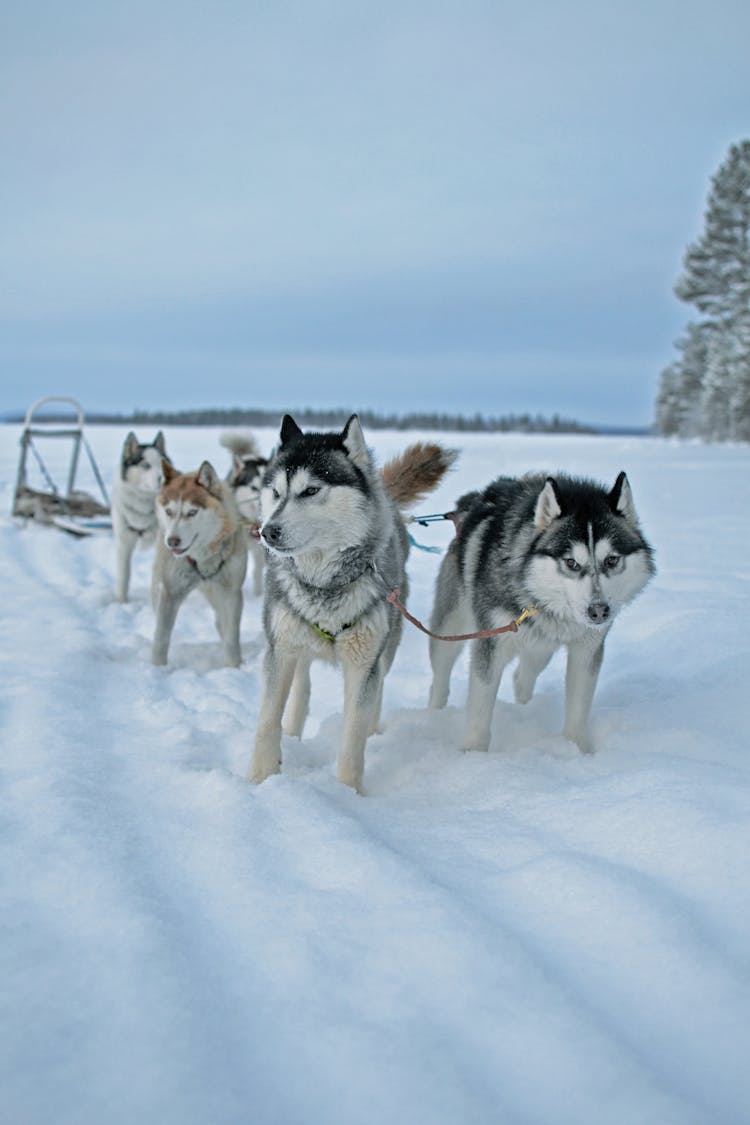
point(290, 431)
point(237, 463)
point(131, 446)
point(208, 478)
point(168, 470)
point(160, 444)
point(621, 499)
point(548, 506)
point(354, 443)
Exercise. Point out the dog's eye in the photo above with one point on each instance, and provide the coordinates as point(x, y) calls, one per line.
point(311, 491)
point(572, 565)
point(191, 513)
point(170, 512)
point(275, 493)
point(611, 562)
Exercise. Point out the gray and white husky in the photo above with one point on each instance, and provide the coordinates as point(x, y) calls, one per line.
point(134, 503)
point(560, 545)
point(337, 545)
point(203, 545)
point(245, 478)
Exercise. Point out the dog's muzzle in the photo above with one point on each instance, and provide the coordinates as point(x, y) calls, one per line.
point(272, 533)
point(598, 612)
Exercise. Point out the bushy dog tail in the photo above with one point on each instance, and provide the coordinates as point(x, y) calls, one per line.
point(241, 445)
point(413, 474)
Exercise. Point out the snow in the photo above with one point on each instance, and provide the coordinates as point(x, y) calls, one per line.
point(530, 935)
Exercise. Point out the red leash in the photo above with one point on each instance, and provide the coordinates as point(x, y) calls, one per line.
point(511, 627)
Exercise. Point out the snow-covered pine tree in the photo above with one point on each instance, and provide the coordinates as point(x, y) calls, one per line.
point(739, 378)
point(715, 420)
point(716, 277)
point(713, 370)
point(668, 402)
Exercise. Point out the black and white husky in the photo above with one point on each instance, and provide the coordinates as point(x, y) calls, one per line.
point(134, 493)
point(337, 545)
point(562, 546)
point(245, 478)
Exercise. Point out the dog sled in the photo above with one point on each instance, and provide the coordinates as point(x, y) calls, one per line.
point(70, 509)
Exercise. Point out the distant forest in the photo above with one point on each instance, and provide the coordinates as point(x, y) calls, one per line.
point(240, 417)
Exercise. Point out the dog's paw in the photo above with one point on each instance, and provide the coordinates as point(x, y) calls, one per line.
point(522, 690)
point(292, 729)
point(265, 763)
point(582, 739)
point(475, 739)
point(352, 779)
point(258, 774)
point(437, 701)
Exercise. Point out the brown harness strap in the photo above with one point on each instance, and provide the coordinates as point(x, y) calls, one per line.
point(511, 627)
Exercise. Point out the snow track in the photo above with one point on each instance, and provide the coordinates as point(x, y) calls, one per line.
point(529, 935)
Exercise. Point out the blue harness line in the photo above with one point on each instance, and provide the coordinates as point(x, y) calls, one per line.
point(423, 547)
point(423, 521)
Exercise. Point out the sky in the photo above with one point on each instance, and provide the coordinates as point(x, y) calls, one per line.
point(463, 206)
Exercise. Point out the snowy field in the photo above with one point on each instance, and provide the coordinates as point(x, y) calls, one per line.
point(527, 936)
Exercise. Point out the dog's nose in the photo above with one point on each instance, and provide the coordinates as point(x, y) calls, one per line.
point(173, 542)
point(271, 532)
point(598, 612)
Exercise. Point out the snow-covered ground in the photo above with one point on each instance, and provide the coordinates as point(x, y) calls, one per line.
point(525, 936)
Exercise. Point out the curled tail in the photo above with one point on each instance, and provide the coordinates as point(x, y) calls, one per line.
point(411, 475)
point(241, 445)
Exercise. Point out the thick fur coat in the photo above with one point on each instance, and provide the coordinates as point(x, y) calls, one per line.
point(203, 544)
point(337, 544)
point(137, 483)
point(564, 547)
point(245, 478)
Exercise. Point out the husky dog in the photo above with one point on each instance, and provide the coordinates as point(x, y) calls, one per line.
point(203, 543)
point(559, 545)
point(134, 503)
point(337, 546)
point(244, 478)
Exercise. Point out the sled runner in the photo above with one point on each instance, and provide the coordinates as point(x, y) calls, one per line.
point(72, 510)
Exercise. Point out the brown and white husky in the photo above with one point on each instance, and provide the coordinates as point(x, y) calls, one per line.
point(203, 544)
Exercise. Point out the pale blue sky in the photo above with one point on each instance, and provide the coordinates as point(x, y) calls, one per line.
point(456, 206)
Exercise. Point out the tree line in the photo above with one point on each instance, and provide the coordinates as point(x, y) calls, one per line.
point(241, 417)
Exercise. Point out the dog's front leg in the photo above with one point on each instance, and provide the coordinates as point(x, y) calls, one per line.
point(584, 661)
point(443, 655)
point(229, 616)
point(124, 545)
point(532, 660)
point(278, 673)
point(488, 659)
point(362, 693)
point(258, 560)
point(167, 604)
point(299, 700)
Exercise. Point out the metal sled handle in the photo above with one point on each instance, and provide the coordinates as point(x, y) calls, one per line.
point(55, 398)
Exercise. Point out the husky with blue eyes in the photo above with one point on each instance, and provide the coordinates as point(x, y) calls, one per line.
point(336, 546)
point(565, 549)
point(203, 545)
